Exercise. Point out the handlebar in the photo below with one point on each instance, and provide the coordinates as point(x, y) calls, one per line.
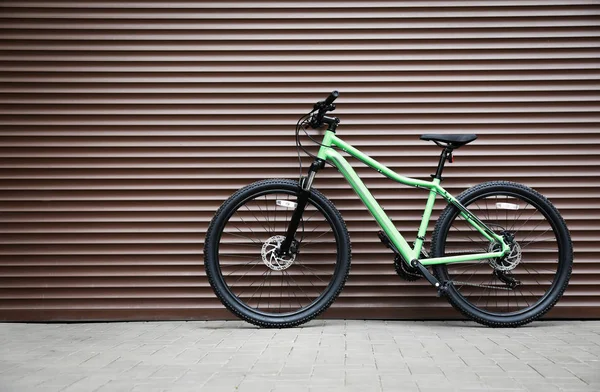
point(332, 97)
point(322, 107)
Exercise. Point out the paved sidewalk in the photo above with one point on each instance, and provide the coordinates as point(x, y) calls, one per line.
point(322, 356)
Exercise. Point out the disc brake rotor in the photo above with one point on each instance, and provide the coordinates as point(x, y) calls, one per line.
point(508, 262)
point(270, 257)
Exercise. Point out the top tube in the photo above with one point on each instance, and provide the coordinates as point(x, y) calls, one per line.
point(330, 139)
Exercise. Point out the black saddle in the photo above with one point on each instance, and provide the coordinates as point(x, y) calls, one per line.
point(451, 141)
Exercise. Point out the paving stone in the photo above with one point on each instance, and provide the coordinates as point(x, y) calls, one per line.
point(541, 387)
point(427, 370)
point(489, 371)
point(366, 379)
point(327, 389)
point(501, 383)
point(290, 388)
point(554, 371)
point(89, 383)
point(325, 355)
point(462, 375)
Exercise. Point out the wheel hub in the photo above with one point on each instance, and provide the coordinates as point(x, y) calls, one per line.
point(511, 260)
point(270, 255)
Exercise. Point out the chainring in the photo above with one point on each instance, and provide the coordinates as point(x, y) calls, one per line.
point(405, 271)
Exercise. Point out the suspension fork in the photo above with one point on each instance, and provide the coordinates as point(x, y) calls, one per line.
point(303, 194)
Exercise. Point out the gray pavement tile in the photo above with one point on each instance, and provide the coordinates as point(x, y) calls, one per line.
point(501, 383)
point(291, 388)
point(142, 371)
point(327, 389)
point(10, 388)
point(398, 383)
point(366, 379)
point(89, 383)
point(430, 380)
point(293, 369)
point(525, 376)
point(425, 370)
point(552, 371)
point(462, 375)
point(170, 372)
point(490, 371)
point(122, 365)
point(61, 380)
point(325, 355)
point(325, 371)
point(541, 387)
point(331, 382)
point(254, 386)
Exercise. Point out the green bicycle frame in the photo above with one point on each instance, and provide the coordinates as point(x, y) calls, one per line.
point(328, 153)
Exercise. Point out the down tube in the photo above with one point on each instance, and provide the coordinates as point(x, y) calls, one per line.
point(374, 208)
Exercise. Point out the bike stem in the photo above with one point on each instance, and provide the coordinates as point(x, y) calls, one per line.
point(303, 194)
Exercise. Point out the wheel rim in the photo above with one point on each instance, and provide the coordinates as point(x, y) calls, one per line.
point(252, 273)
point(517, 283)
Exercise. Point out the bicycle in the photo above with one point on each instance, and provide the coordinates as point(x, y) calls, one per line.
point(277, 252)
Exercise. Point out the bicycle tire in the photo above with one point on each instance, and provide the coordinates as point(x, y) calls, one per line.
point(564, 255)
point(219, 282)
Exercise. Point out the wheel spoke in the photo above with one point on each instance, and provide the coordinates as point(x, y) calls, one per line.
point(531, 265)
point(248, 226)
point(241, 236)
point(261, 279)
point(255, 218)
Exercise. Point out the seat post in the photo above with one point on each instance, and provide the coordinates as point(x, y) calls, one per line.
point(446, 155)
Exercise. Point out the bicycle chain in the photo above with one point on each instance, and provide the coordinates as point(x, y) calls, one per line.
point(485, 286)
point(402, 270)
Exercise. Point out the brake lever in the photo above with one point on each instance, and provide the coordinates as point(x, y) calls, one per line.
point(325, 108)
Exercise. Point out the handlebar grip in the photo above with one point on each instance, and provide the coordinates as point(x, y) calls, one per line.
point(332, 97)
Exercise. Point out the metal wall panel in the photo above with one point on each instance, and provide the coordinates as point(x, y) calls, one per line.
point(125, 124)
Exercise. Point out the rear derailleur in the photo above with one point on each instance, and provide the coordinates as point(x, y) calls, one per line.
point(507, 278)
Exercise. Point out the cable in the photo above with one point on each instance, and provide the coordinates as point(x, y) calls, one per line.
point(299, 124)
point(302, 124)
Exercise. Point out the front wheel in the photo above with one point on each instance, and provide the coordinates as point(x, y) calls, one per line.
point(521, 286)
point(248, 274)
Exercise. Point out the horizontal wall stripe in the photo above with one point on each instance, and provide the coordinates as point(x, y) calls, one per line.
point(125, 124)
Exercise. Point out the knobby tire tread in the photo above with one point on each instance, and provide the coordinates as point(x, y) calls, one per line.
point(457, 303)
point(211, 236)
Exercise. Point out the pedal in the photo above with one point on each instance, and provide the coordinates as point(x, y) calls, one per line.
point(441, 291)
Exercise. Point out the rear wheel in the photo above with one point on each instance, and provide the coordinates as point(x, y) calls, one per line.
point(248, 274)
point(523, 285)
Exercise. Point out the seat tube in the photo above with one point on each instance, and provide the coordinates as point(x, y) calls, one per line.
point(425, 220)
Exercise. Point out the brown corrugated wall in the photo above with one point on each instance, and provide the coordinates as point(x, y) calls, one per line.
point(125, 124)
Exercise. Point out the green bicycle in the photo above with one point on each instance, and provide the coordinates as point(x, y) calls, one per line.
point(277, 252)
